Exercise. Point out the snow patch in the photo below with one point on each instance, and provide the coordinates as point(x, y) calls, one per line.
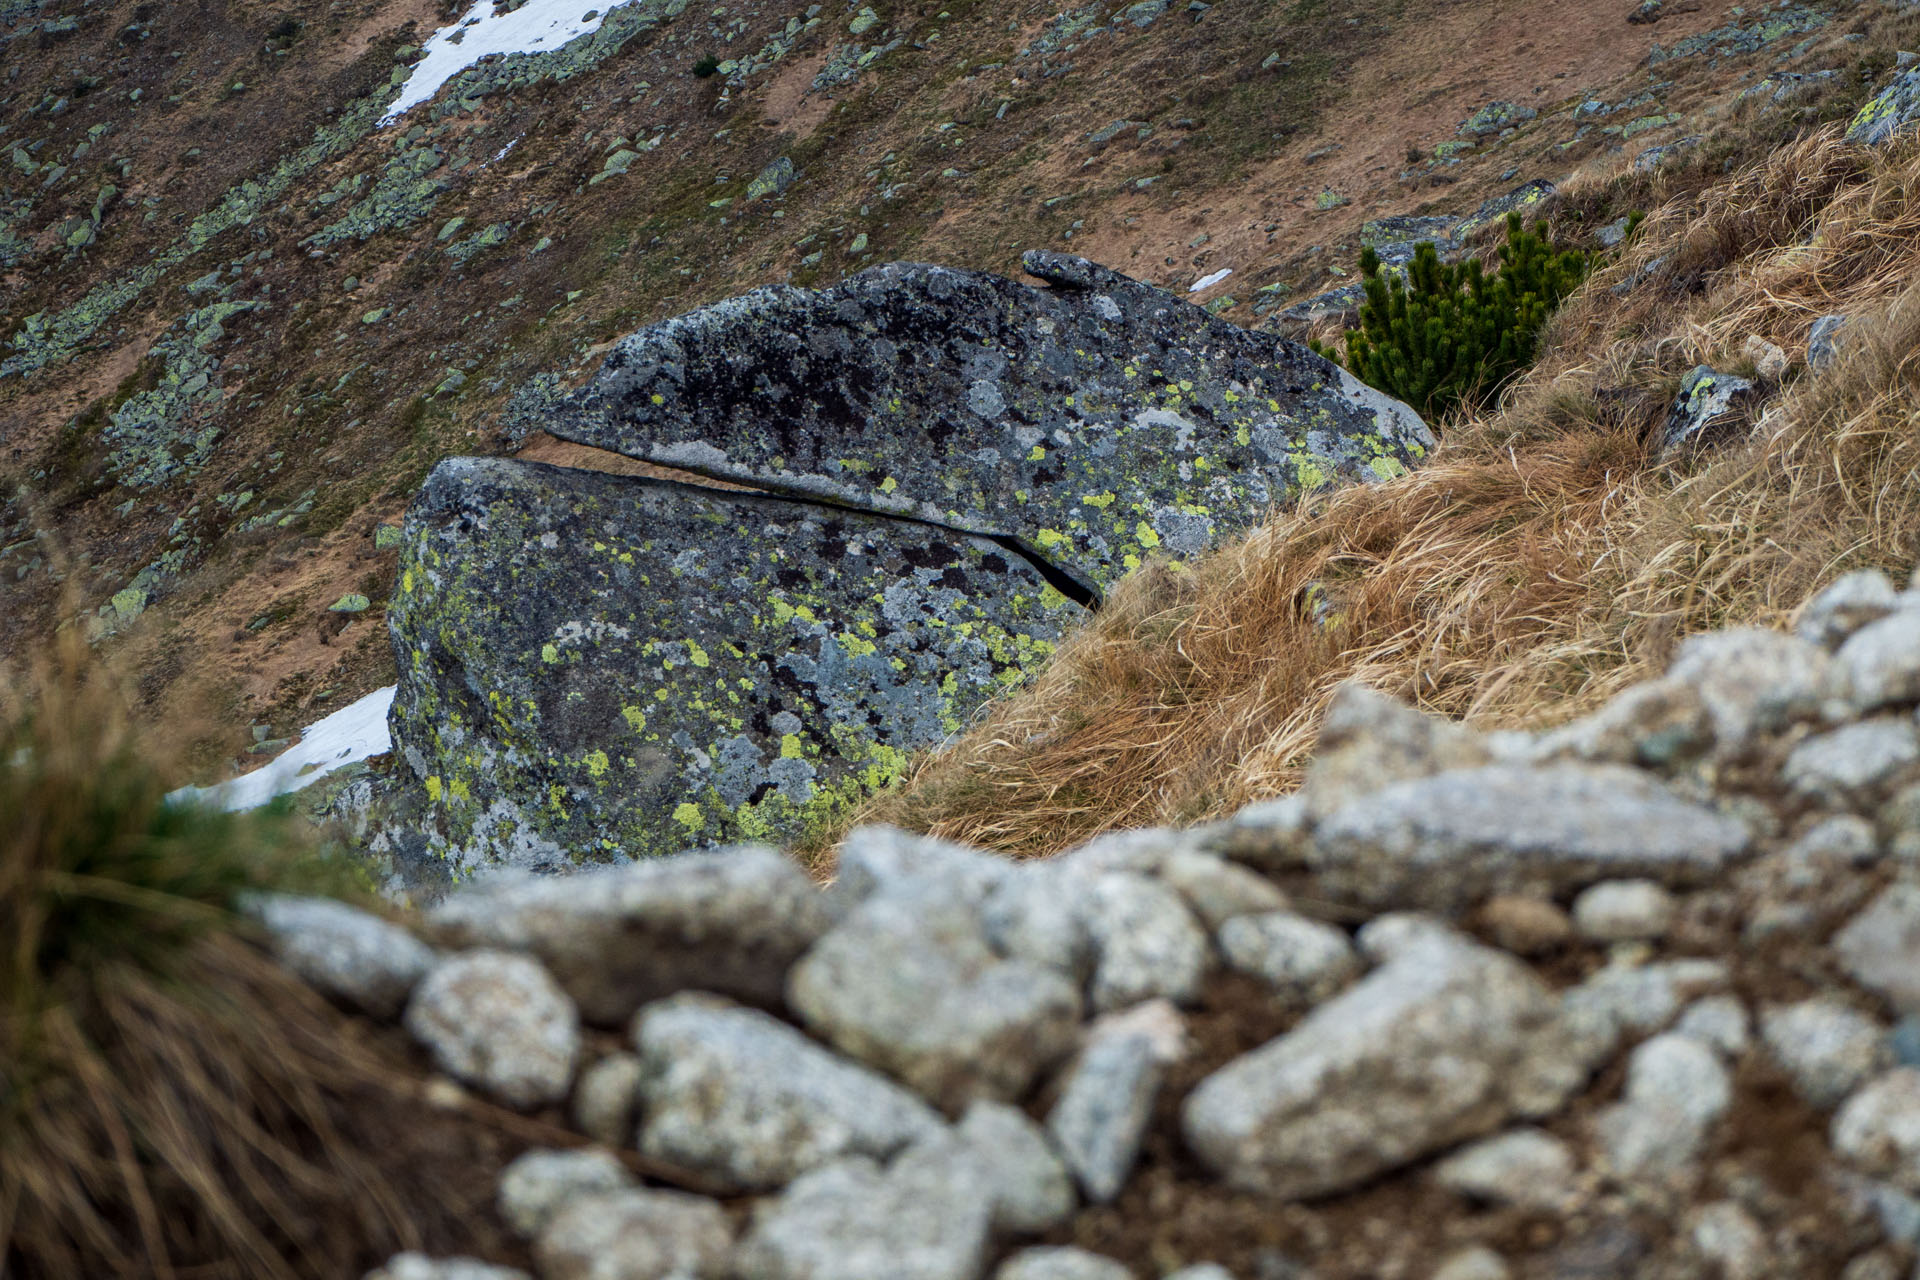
point(1208, 281)
point(539, 26)
point(358, 732)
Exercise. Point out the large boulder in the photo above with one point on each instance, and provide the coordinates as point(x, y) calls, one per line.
point(1102, 420)
point(596, 666)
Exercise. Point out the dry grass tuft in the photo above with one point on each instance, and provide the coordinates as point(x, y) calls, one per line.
point(171, 1101)
point(1544, 558)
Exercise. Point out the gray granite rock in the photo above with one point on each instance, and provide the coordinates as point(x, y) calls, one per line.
point(1447, 1040)
point(1719, 1022)
point(1032, 1188)
point(1710, 402)
point(606, 1099)
point(1217, 890)
point(344, 952)
point(1447, 842)
point(1368, 740)
point(1145, 941)
point(597, 666)
point(1894, 108)
point(1845, 605)
point(1102, 1113)
point(1035, 915)
point(1824, 343)
point(1525, 1167)
point(1628, 999)
point(927, 1217)
point(1827, 1048)
point(1101, 419)
point(1200, 1271)
point(1300, 959)
point(418, 1266)
point(539, 1182)
point(873, 858)
point(1624, 911)
point(1877, 1130)
point(1725, 1236)
point(1677, 1090)
point(752, 1103)
point(1880, 947)
point(729, 922)
point(636, 1234)
point(908, 983)
point(1754, 682)
point(1657, 725)
point(1268, 835)
point(1855, 764)
point(1060, 1262)
point(1879, 665)
point(497, 1021)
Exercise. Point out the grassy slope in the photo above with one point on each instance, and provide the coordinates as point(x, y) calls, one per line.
point(949, 147)
point(1548, 555)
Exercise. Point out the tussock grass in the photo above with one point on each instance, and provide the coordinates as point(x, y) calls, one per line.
point(171, 1101)
point(1547, 555)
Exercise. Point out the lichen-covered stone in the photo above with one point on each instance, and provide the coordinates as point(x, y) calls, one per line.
point(596, 666)
point(1892, 109)
point(1101, 420)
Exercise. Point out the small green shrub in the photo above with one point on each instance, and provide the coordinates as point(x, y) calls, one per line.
point(1445, 335)
point(706, 66)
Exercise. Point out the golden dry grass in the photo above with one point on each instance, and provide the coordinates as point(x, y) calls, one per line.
point(1543, 559)
point(172, 1102)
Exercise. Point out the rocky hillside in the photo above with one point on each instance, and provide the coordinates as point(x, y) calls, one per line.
point(1634, 997)
point(245, 312)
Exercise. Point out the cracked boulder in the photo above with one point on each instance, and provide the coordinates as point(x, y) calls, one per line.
point(594, 667)
point(1101, 420)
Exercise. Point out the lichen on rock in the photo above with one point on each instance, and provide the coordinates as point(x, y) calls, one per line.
point(593, 667)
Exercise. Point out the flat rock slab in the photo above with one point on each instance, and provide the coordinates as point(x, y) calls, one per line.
point(1101, 420)
point(599, 666)
point(1446, 842)
point(1447, 1040)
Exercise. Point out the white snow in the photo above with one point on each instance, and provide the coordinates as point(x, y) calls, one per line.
point(1208, 281)
point(539, 26)
point(349, 734)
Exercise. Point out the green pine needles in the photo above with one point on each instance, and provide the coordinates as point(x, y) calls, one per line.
point(1445, 335)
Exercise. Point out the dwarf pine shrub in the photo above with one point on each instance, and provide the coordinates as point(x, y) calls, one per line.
point(1447, 334)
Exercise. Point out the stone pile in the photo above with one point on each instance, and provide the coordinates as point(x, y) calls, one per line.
point(1635, 996)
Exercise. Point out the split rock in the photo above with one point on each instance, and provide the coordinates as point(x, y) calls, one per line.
point(1072, 417)
point(595, 666)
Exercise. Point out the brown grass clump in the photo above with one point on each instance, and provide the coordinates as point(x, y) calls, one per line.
point(171, 1101)
point(1547, 555)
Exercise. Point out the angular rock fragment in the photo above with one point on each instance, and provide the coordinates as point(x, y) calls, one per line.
point(1845, 605)
point(1445, 1041)
point(1449, 841)
point(927, 1217)
point(1525, 1167)
point(752, 1103)
point(1676, 1091)
point(729, 922)
point(1827, 1048)
point(498, 1022)
point(1879, 664)
point(1032, 1188)
point(1753, 682)
point(540, 1182)
point(346, 953)
point(909, 984)
point(1103, 1110)
point(1146, 943)
point(1298, 958)
point(596, 666)
point(1892, 109)
point(1101, 420)
point(1710, 403)
point(1854, 764)
point(1877, 1130)
point(636, 1234)
point(1880, 947)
